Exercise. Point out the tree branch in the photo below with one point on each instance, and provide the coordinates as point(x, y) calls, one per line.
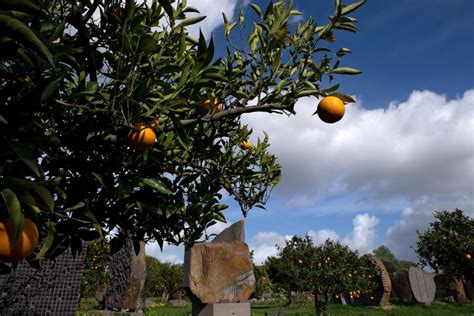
point(237, 111)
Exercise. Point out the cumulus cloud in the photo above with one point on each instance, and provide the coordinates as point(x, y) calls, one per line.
point(420, 151)
point(361, 238)
point(363, 235)
point(213, 11)
point(423, 146)
point(264, 244)
point(320, 236)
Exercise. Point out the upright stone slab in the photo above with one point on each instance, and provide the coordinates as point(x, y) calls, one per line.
point(234, 232)
point(126, 279)
point(220, 274)
point(401, 286)
point(422, 285)
point(383, 291)
point(414, 285)
point(53, 289)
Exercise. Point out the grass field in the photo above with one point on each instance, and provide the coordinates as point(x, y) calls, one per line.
point(435, 309)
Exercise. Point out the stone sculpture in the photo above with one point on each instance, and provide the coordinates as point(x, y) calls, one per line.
point(220, 272)
point(414, 285)
point(382, 293)
point(126, 279)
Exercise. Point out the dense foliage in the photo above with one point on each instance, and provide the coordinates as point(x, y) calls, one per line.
point(391, 263)
point(95, 267)
point(163, 279)
point(326, 271)
point(448, 244)
point(76, 77)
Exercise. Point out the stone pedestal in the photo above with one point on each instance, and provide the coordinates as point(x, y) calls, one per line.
point(225, 309)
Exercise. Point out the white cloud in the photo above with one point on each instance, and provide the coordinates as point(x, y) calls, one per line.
point(264, 244)
point(213, 11)
point(363, 235)
point(320, 236)
point(420, 151)
point(361, 238)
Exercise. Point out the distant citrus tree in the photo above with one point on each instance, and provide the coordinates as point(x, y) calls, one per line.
point(326, 271)
point(114, 120)
point(448, 245)
point(95, 267)
point(163, 279)
point(391, 263)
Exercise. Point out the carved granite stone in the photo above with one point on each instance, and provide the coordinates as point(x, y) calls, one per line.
point(219, 272)
point(401, 286)
point(231, 233)
point(126, 278)
point(422, 285)
point(383, 291)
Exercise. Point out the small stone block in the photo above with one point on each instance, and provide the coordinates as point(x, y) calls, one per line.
point(226, 309)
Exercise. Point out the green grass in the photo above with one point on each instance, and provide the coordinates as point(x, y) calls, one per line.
point(261, 309)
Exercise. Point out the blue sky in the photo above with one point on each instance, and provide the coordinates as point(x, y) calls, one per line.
point(405, 149)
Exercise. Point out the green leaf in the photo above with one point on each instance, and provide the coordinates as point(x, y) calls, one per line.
point(78, 206)
point(346, 71)
point(344, 97)
point(15, 214)
point(191, 21)
point(352, 7)
point(256, 8)
point(22, 33)
point(305, 93)
point(167, 7)
point(20, 6)
point(3, 120)
point(45, 196)
point(343, 51)
point(27, 157)
point(28, 199)
point(295, 12)
point(157, 185)
point(48, 242)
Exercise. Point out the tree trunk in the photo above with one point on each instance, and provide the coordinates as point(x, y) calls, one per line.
point(321, 304)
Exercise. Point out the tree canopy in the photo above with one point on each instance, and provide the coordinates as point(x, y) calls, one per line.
point(325, 270)
point(448, 244)
point(85, 85)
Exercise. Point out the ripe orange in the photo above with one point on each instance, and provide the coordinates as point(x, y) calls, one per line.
point(300, 261)
point(212, 107)
point(24, 245)
point(468, 256)
point(331, 109)
point(245, 144)
point(142, 139)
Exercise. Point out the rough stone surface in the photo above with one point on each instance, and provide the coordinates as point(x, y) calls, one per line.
point(384, 285)
point(219, 272)
point(449, 290)
point(401, 286)
point(126, 278)
point(231, 233)
point(422, 285)
point(469, 288)
point(177, 303)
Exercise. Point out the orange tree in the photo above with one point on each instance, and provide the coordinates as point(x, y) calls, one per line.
point(326, 271)
point(104, 127)
point(448, 245)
